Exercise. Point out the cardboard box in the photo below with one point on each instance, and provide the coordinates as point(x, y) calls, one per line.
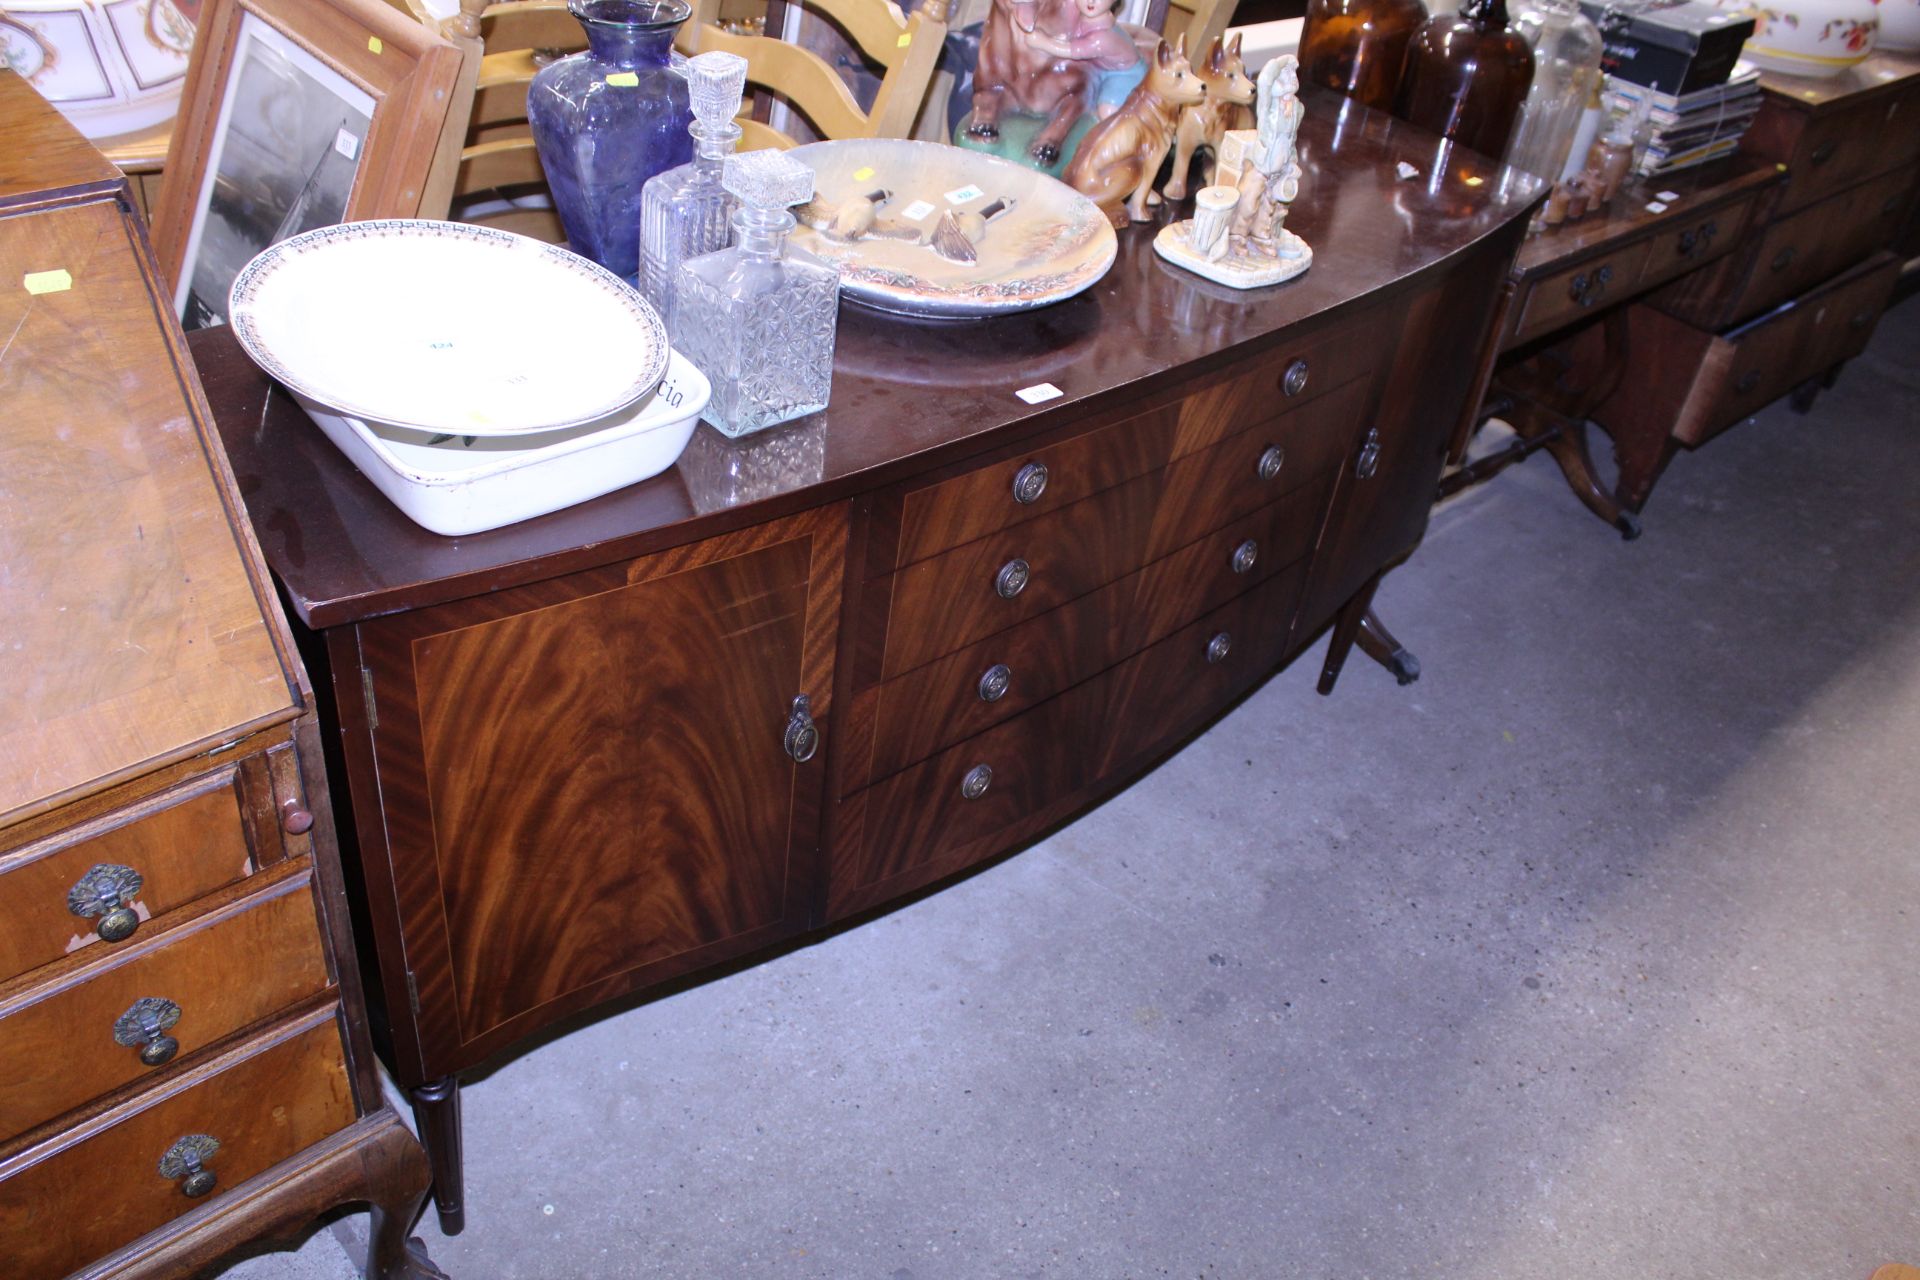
point(1674, 46)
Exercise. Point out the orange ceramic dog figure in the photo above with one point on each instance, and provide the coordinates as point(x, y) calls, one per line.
point(1119, 157)
point(1228, 105)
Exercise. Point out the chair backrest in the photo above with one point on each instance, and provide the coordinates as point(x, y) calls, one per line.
point(487, 170)
point(905, 46)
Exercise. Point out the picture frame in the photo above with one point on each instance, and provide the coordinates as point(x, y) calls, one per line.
point(294, 114)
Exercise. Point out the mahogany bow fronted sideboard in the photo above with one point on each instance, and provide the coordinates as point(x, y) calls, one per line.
point(799, 676)
point(186, 1062)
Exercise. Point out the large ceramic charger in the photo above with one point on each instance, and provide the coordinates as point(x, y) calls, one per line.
point(1051, 243)
point(447, 327)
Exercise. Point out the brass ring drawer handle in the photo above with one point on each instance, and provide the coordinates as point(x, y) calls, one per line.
point(1294, 380)
point(803, 736)
point(1588, 288)
point(1272, 458)
point(144, 1026)
point(1784, 259)
point(1012, 578)
point(978, 779)
point(1218, 648)
point(185, 1162)
point(1029, 482)
point(1244, 555)
point(1369, 460)
point(106, 891)
point(995, 682)
point(1823, 153)
point(1695, 240)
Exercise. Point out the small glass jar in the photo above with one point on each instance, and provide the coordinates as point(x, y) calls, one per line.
point(1566, 75)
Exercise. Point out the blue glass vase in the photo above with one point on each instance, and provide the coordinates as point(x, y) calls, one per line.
point(608, 119)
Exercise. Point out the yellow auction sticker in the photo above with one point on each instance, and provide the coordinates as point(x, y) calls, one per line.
point(863, 173)
point(374, 45)
point(39, 282)
point(624, 79)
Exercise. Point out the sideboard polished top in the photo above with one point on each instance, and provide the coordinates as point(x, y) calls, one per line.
point(907, 396)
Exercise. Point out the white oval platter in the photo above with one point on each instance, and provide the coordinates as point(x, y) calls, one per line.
point(1051, 244)
point(447, 327)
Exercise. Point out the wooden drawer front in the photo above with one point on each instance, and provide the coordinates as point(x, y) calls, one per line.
point(1580, 291)
point(941, 703)
point(1836, 151)
point(983, 500)
point(1696, 242)
point(1799, 252)
point(945, 603)
point(73, 1199)
point(226, 970)
point(1750, 368)
point(184, 843)
point(921, 824)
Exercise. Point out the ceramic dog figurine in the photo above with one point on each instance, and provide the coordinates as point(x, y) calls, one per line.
point(1118, 159)
point(1228, 105)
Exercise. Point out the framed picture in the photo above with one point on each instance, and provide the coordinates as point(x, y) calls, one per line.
point(295, 114)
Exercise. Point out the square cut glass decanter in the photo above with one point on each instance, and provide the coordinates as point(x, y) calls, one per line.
point(758, 319)
point(688, 211)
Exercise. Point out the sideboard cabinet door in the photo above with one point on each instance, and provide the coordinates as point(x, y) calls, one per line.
point(591, 784)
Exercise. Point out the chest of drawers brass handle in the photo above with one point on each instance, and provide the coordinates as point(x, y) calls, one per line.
point(995, 682)
point(1369, 460)
point(1694, 240)
point(145, 1025)
point(1012, 578)
point(1272, 458)
point(1294, 380)
point(1747, 382)
point(1823, 153)
point(978, 779)
point(1588, 288)
point(1218, 648)
point(1244, 555)
point(802, 738)
point(1029, 482)
point(1784, 259)
point(185, 1162)
point(105, 891)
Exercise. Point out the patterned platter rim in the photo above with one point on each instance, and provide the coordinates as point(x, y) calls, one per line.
point(251, 285)
point(898, 293)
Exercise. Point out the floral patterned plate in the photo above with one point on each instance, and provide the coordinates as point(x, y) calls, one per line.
point(1032, 239)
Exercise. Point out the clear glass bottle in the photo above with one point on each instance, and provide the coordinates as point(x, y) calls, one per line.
point(688, 211)
point(1566, 74)
point(1466, 76)
point(758, 319)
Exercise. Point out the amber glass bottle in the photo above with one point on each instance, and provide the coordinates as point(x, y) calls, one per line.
point(1467, 74)
point(1359, 47)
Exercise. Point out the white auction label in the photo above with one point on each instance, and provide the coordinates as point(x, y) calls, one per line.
point(916, 211)
point(346, 144)
point(1667, 195)
point(964, 195)
point(1041, 392)
point(1654, 206)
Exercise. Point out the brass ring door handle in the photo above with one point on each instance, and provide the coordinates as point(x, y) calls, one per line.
point(803, 736)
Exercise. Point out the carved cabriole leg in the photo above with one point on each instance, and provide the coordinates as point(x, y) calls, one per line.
point(1378, 643)
point(1346, 628)
point(436, 1109)
point(398, 1179)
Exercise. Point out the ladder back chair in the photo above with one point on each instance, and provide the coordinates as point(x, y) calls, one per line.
point(905, 46)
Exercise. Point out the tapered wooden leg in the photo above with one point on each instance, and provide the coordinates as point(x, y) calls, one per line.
point(1568, 448)
point(436, 1110)
point(399, 1181)
point(1378, 643)
point(1346, 628)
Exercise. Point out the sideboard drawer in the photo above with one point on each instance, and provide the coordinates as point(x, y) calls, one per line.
point(226, 970)
point(968, 692)
point(1022, 486)
point(83, 1194)
point(1579, 291)
point(971, 800)
point(1801, 251)
point(1699, 241)
point(182, 844)
point(1833, 152)
point(949, 601)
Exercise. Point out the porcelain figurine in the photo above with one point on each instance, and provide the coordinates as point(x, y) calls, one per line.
point(1120, 156)
point(1238, 233)
point(1059, 61)
point(1228, 105)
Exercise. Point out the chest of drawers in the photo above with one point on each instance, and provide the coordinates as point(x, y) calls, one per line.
point(183, 1059)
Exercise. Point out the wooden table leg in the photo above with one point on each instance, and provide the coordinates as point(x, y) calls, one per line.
point(399, 1179)
point(1378, 643)
point(436, 1110)
point(1346, 629)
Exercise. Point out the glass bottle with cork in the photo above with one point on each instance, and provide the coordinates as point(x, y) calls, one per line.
point(1467, 74)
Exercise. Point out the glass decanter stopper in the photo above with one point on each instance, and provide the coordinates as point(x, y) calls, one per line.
point(758, 319)
point(686, 212)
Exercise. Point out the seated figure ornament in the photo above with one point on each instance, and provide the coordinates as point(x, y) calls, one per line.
point(1237, 235)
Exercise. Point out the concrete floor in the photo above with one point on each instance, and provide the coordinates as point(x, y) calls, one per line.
point(1596, 952)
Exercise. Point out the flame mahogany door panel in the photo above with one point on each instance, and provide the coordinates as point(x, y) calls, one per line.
point(581, 786)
